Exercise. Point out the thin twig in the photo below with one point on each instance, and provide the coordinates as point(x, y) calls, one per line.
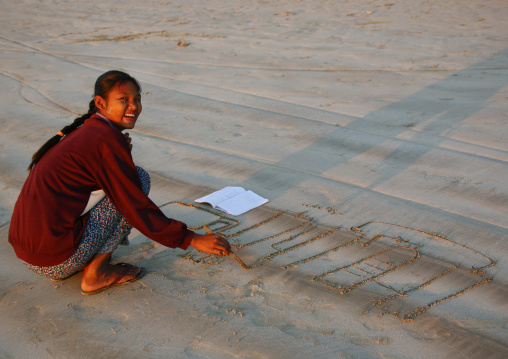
point(231, 252)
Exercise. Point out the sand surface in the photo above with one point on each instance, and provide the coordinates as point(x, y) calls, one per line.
point(378, 131)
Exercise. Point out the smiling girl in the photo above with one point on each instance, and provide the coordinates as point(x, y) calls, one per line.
point(84, 194)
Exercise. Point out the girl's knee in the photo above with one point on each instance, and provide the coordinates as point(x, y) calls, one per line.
point(145, 180)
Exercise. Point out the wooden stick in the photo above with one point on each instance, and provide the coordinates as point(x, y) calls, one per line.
point(231, 252)
point(239, 260)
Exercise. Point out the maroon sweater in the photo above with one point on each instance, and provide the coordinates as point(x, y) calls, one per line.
point(46, 225)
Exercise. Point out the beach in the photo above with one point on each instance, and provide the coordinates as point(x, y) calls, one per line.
point(377, 131)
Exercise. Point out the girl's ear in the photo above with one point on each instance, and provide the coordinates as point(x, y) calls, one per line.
point(100, 103)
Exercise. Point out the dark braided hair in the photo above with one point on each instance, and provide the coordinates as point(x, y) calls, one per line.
point(103, 86)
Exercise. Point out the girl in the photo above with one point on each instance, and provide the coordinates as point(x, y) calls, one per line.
point(83, 195)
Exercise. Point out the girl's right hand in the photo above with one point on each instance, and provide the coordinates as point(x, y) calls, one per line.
point(211, 243)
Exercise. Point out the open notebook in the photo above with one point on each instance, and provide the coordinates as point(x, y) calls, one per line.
point(233, 200)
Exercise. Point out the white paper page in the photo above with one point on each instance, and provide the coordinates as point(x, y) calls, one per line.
point(242, 203)
point(221, 195)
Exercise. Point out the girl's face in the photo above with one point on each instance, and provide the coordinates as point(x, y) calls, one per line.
point(122, 105)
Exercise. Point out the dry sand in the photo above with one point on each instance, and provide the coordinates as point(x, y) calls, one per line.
point(376, 130)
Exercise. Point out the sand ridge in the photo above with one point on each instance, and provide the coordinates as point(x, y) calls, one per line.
point(429, 257)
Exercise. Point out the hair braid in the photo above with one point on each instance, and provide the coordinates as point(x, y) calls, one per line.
point(63, 132)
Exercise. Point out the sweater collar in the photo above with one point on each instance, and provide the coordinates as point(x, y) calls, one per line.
point(105, 119)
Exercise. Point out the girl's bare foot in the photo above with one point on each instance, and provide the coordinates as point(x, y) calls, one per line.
point(100, 274)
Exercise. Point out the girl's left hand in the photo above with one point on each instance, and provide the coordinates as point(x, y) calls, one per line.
point(129, 140)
